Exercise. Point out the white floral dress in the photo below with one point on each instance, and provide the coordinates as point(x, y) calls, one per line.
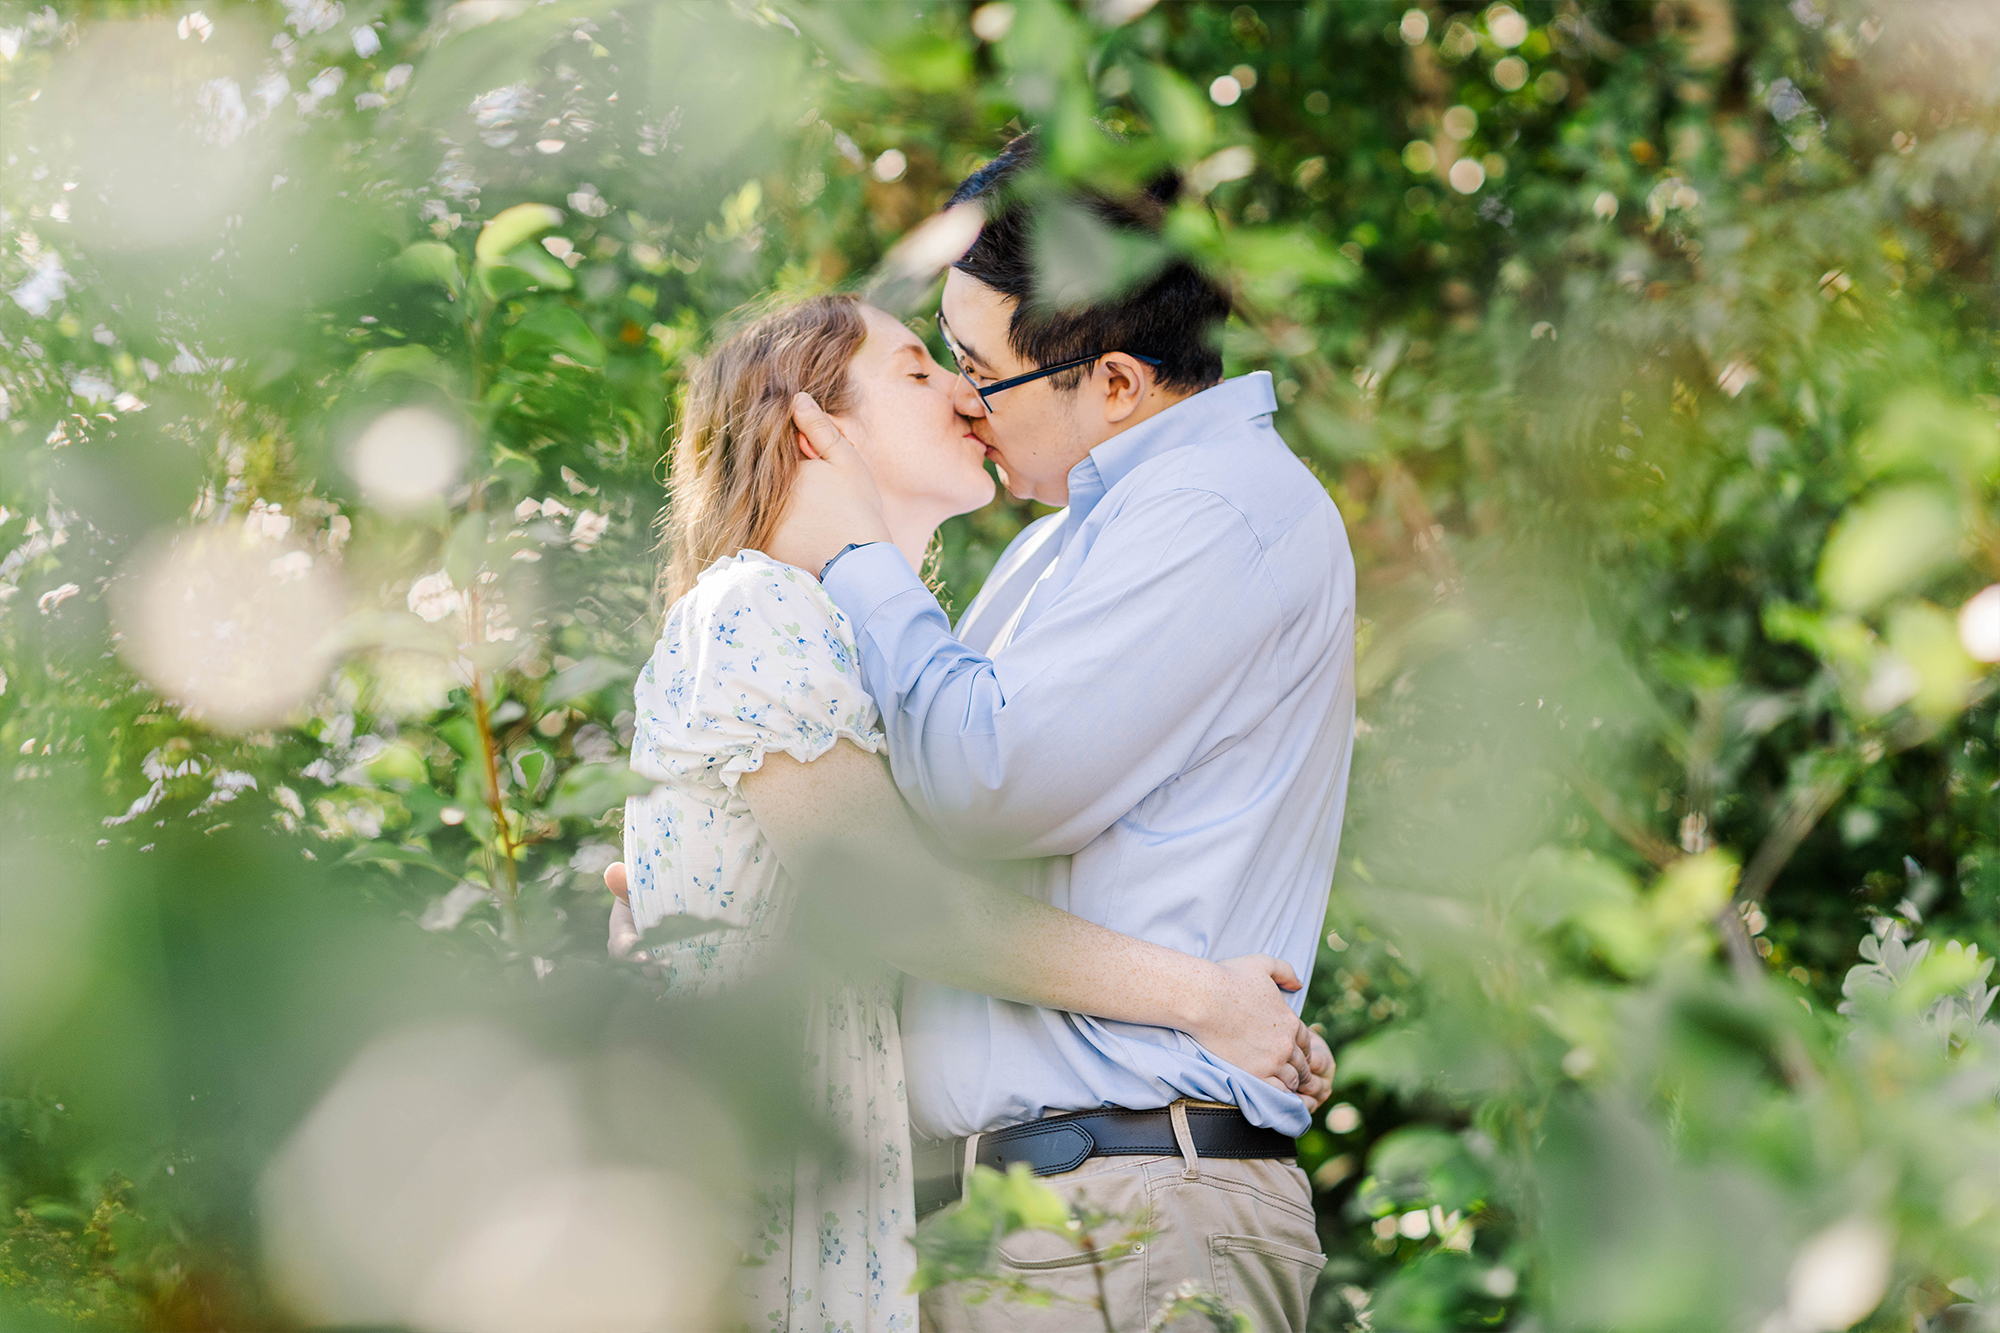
point(757, 658)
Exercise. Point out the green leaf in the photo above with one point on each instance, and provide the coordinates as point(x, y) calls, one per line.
point(1179, 113)
point(555, 328)
point(462, 734)
point(513, 226)
point(412, 362)
point(1926, 638)
point(390, 854)
point(428, 262)
point(588, 790)
point(527, 268)
point(398, 763)
point(1921, 432)
point(1889, 543)
point(586, 677)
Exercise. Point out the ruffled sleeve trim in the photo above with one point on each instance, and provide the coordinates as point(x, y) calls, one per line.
point(755, 658)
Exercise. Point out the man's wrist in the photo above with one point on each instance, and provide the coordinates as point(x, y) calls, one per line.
point(1201, 1001)
point(851, 546)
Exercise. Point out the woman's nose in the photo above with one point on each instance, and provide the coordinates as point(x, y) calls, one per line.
point(965, 399)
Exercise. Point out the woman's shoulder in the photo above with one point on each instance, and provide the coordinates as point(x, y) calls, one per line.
point(750, 589)
point(751, 578)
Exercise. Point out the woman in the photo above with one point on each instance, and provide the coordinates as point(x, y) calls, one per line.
point(752, 716)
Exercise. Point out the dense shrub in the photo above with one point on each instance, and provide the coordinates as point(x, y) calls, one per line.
point(1647, 350)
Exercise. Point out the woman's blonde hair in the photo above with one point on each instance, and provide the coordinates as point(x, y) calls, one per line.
point(736, 453)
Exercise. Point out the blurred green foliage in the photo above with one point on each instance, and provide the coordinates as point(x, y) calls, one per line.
point(1647, 349)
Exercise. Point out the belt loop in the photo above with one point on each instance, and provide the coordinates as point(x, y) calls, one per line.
point(971, 1159)
point(1185, 1138)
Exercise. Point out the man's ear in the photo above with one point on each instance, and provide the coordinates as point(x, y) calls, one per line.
point(1125, 386)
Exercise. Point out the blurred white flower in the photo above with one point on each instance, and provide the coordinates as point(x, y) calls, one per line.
point(1979, 624)
point(433, 597)
point(1840, 1275)
point(447, 911)
point(586, 200)
point(991, 22)
point(1735, 377)
point(386, 1207)
point(55, 597)
point(590, 526)
point(292, 565)
point(309, 16)
point(93, 386)
point(157, 169)
point(406, 458)
point(1893, 683)
point(210, 623)
point(1227, 164)
point(1506, 26)
point(225, 117)
point(938, 243)
point(320, 87)
point(267, 522)
point(43, 287)
point(891, 165)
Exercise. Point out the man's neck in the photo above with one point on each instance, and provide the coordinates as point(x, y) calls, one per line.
point(1156, 402)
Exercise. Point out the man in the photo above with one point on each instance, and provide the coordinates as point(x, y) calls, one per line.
point(1154, 695)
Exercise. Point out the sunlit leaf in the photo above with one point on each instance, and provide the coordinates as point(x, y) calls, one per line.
point(513, 227)
point(1889, 543)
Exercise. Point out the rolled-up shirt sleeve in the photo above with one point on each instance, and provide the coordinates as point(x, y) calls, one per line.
point(1103, 696)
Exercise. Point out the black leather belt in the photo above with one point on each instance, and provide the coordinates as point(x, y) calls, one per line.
point(1059, 1143)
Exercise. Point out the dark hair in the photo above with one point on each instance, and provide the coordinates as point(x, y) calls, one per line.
point(1171, 316)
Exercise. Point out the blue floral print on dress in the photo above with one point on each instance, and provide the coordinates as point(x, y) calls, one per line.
point(755, 659)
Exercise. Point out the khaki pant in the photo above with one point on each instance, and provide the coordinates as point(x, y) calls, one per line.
point(1243, 1231)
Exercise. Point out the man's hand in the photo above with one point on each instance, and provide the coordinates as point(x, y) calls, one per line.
point(833, 503)
point(1244, 1019)
point(1318, 1084)
point(624, 936)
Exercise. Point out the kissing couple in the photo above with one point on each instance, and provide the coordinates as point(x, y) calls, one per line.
point(1145, 719)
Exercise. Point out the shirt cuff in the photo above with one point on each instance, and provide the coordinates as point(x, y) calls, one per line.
point(865, 579)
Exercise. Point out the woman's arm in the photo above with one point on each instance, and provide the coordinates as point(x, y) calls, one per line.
point(937, 922)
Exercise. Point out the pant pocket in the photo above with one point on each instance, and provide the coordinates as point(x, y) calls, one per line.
point(1270, 1281)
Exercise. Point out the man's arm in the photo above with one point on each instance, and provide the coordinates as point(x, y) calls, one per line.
point(847, 839)
point(1103, 698)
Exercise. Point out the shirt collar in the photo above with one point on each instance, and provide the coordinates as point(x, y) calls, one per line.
point(1193, 420)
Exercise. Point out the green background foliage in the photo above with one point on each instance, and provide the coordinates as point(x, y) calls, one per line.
point(1646, 348)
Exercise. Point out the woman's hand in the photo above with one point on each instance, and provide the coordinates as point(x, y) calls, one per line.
point(1243, 1018)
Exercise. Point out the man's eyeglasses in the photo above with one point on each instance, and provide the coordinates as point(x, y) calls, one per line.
point(986, 393)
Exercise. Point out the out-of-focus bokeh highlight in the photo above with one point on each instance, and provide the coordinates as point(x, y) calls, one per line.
point(1647, 349)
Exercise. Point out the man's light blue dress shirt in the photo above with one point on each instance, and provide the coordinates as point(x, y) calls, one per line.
point(1154, 696)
